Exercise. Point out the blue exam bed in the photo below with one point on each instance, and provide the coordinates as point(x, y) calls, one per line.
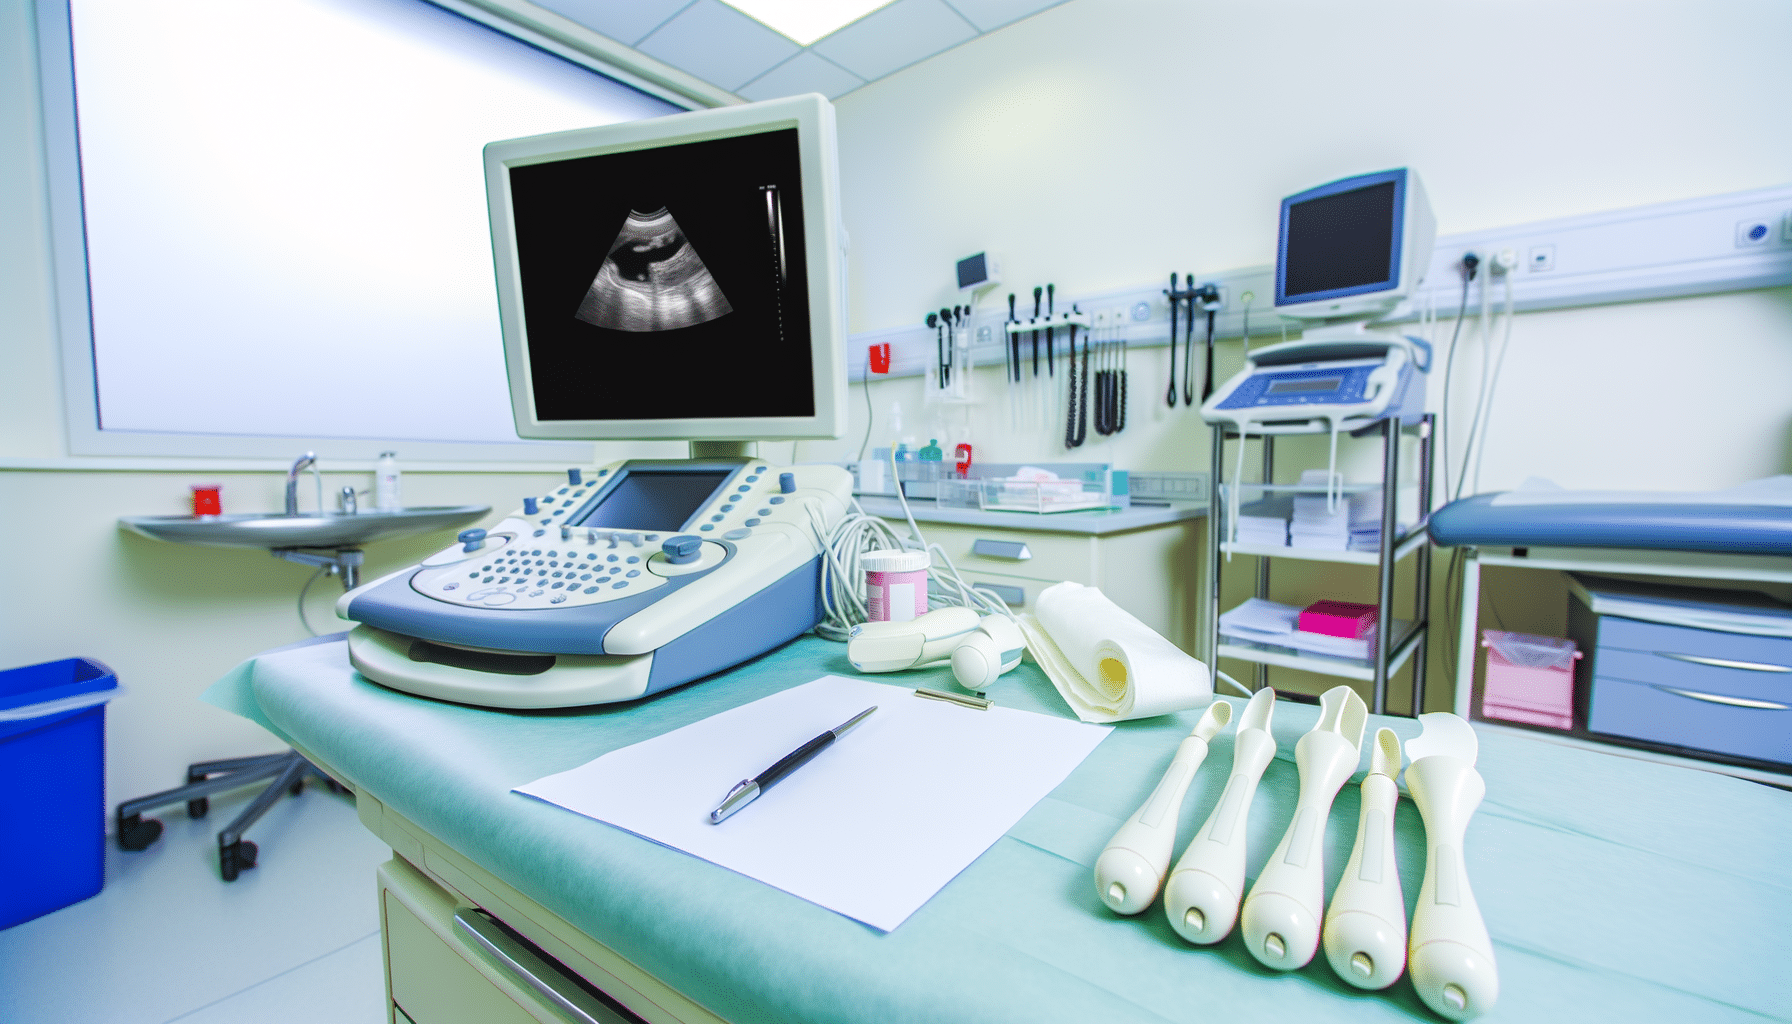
point(1677, 526)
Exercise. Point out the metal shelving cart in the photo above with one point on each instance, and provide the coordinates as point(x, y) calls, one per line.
point(1390, 652)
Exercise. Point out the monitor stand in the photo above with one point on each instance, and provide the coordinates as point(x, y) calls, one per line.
point(724, 449)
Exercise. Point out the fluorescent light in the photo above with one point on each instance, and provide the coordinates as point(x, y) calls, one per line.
point(805, 21)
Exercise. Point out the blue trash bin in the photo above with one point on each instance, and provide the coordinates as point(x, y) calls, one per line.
point(52, 785)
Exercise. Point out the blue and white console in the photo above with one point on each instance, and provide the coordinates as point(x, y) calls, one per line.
point(632, 578)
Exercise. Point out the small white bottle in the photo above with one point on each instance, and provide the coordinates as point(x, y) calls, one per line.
point(386, 483)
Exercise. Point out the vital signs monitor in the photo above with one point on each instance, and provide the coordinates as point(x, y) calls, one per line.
point(674, 278)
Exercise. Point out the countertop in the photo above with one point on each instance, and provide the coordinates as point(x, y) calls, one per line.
point(1095, 523)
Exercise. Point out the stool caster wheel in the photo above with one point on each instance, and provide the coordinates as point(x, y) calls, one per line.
point(199, 808)
point(238, 856)
point(136, 833)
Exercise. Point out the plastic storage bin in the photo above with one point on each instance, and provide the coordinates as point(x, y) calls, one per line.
point(1530, 679)
point(52, 786)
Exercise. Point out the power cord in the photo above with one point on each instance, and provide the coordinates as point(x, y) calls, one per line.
point(1469, 263)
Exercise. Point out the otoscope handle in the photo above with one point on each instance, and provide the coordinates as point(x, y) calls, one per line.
point(1365, 927)
point(1449, 952)
point(1283, 912)
point(1131, 869)
point(1202, 895)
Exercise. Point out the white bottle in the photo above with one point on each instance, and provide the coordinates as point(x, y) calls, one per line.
point(386, 483)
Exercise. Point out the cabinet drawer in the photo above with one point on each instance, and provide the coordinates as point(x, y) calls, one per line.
point(1041, 556)
point(430, 981)
point(1665, 668)
point(1691, 718)
point(1634, 635)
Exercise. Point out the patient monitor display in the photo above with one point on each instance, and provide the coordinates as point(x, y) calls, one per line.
point(1353, 248)
point(679, 277)
point(674, 258)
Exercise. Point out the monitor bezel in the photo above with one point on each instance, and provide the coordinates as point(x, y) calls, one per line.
point(1365, 300)
point(824, 250)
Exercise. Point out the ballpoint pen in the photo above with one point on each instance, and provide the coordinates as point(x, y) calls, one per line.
point(748, 790)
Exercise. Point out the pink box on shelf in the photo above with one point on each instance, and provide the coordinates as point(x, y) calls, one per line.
point(1338, 618)
point(1530, 679)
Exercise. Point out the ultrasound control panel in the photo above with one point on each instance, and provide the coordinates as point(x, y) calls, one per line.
point(1341, 383)
point(610, 533)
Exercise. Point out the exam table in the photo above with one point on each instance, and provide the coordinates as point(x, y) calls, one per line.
point(1613, 889)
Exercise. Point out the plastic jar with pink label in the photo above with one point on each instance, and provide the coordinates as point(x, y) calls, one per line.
point(895, 585)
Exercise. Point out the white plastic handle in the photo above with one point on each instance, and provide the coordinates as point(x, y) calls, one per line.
point(1131, 869)
point(1365, 927)
point(1201, 897)
point(1449, 952)
point(1282, 915)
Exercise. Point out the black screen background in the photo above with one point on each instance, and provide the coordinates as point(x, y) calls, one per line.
point(1344, 240)
point(754, 361)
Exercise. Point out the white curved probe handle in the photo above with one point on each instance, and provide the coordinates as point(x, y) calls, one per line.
point(1201, 897)
point(1365, 927)
point(1283, 913)
point(1131, 869)
point(1449, 952)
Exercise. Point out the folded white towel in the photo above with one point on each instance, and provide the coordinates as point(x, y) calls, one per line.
point(1107, 664)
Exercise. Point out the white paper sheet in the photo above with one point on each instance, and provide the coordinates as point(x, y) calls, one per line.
point(872, 827)
point(1773, 490)
point(1106, 664)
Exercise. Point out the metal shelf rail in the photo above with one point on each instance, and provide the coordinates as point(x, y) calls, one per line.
point(1391, 652)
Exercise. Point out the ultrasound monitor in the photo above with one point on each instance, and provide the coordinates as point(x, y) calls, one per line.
point(1354, 248)
point(674, 278)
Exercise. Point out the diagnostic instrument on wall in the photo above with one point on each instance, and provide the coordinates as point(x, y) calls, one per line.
point(677, 238)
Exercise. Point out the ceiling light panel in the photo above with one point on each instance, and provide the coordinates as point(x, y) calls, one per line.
point(805, 21)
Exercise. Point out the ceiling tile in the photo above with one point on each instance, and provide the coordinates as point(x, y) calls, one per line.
point(625, 21)
point(718, 44)
point(993, 14)
point(802, 73)
point(895, 37)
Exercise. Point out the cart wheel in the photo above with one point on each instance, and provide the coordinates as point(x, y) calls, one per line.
point(336, 787)
point(239, 856)
point(136, 833)
point(296, 788)
point(199, 808)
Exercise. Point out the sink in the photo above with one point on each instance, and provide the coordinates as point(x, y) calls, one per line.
point(274, 530)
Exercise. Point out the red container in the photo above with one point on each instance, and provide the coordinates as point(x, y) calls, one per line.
point(205, 500)
point(1338, 618)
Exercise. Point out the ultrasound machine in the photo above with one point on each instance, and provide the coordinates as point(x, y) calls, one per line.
point(679, 278)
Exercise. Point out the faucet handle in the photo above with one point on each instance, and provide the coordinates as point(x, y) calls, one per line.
point(347, 500)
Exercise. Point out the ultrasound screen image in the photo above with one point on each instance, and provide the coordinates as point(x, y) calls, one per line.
point(653, 280)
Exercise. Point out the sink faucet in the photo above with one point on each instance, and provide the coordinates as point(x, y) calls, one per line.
point(292, 481)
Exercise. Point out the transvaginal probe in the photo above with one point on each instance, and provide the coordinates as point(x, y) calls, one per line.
point(1448, 952)
point(1201, 897)
point(1283, 913)
point(1365, 926)
point(1131, 869)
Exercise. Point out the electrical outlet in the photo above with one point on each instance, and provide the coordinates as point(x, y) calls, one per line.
point(1141, 311)
point(1504, 260)
point(1542, 257)
point(1753, 232)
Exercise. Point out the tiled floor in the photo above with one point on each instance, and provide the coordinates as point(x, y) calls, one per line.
point(294, 940)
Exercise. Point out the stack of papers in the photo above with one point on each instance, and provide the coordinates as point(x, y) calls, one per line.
point(1354, 525)
point(1265, 523)
point(1266, 622)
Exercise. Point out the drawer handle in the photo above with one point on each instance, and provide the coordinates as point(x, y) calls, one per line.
point(1751, 666)
point(1013, 597)
point(534, 971)
point(1012, 550)
point(1713, 698)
